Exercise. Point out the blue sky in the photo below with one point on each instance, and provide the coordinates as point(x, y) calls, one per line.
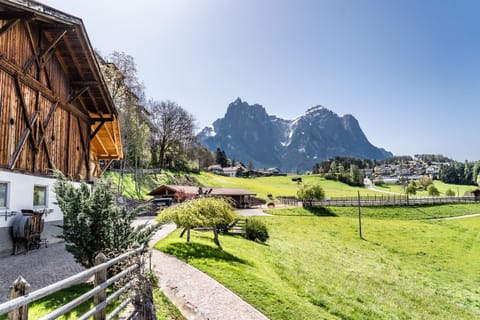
point(409, 71)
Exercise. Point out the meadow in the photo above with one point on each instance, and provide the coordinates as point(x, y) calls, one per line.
point(281, 185)
point(315, 266)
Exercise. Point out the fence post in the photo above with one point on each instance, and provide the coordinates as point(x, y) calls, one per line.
point(100, 277)
point(19, 287)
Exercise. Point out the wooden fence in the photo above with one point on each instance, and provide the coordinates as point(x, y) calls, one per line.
point(132, 263)
point(382, 200)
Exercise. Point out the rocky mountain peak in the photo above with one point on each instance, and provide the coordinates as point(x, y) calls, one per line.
point(247, 133)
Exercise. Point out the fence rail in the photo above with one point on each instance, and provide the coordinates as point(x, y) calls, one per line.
point(17, 307)
point(373, 201)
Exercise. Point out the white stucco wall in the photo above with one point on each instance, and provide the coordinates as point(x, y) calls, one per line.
point(20, 195)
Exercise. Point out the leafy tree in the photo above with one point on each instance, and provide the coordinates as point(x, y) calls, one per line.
point(93, 223)
point(356, 176)
point(333, 167)
point(221, 158)
point(433, 191)
point(174, 128)
point(309, 193)
point(475, 171)
point(411, 188)
point(425, 181)
point(200, 212)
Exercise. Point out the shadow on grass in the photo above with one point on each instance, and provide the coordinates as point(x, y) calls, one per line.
point(186, 251)
point(321, 212)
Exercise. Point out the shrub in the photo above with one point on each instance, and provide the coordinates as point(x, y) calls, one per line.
point(450, 193)
point(256, 230)
point(433, 191)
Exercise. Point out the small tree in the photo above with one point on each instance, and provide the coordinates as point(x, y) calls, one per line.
point(92, 223)
point(310, 193)
point(411, 188)
point(433, 191)
point(200, 212)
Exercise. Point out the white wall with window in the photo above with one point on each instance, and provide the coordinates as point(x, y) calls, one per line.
point(22, 191)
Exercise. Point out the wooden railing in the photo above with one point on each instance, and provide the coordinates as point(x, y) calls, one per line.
point(133, 264)
point(372, 201)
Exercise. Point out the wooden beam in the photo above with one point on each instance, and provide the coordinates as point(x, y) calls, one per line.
point(23, 140)
point(31, 41)
point(25, 111)
point(77, 94)
point(83, 83)
point(93, 134)
point(52, 45)
point(106, 167)
point(10, 24)
point(102, 119)
point(6, 15)
point(51, 165)
point(34, 84)
point(85, 145)
point(53, 107)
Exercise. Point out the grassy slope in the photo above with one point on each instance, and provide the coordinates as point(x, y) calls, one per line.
point(317, 267)
point(280, 186)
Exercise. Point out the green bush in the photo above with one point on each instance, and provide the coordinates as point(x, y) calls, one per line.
point(433, 191)
point(450, 193)
point(256, 230)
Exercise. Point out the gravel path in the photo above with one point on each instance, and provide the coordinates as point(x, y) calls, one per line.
point(459, 217)
point(40, 267)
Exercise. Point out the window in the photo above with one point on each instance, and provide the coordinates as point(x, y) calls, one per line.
point(3, 194)
point(39, 196)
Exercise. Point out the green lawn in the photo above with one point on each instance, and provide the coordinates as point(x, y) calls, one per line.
point(390, 213)
point(316, 267)
point(441, 186)
point(281, 185)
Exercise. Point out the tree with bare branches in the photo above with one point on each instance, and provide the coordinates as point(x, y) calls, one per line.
point(174, 130)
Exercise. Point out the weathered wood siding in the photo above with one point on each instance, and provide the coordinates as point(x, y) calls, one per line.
point(38, 94)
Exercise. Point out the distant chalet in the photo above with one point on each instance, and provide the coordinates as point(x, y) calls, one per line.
point(241, 197)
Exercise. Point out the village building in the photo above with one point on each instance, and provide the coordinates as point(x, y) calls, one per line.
point(241, 198)
point(56, 112)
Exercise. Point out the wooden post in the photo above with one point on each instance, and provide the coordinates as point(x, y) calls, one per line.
point(100, 277)
point(19, 287)
point(359, 217)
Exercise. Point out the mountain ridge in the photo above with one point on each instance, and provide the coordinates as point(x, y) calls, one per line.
point(247, 133)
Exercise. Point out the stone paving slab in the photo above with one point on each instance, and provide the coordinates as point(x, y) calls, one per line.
point(40, 267)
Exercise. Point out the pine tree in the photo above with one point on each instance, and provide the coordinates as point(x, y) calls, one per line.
point(93, 223)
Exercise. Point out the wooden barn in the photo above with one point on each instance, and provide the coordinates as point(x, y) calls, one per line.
point(241, 197)
point(56, 112)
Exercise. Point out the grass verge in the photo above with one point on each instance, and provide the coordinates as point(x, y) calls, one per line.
point(165, 310)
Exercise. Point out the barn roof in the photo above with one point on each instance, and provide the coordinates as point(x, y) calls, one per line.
point(71, 46)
